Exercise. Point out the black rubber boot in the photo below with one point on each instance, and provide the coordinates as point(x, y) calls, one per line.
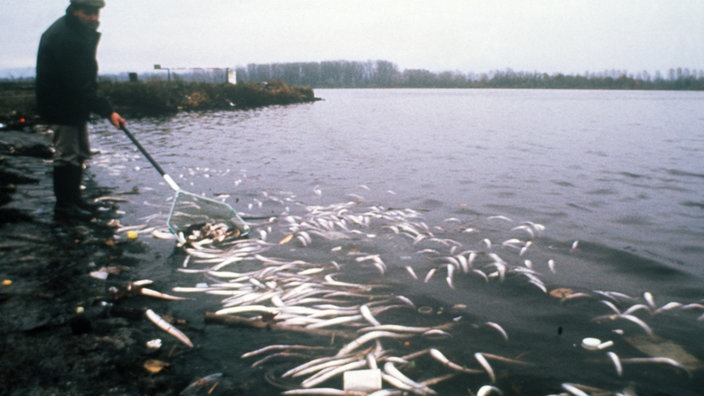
point(77, 177)
point(66, 189)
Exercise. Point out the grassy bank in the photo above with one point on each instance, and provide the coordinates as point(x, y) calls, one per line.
point(158, 98)
point(162, 98)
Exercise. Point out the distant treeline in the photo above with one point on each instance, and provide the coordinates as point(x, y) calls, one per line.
point(384, 74)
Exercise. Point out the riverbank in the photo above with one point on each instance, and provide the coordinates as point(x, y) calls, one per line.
point(159, 98)
point(66, 330)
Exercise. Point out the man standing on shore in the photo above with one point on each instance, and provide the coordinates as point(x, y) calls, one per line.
point(66, 90)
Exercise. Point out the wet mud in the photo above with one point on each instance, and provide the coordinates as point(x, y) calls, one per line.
point(64, 331)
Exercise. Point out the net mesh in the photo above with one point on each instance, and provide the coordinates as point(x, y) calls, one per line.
point(192, 212)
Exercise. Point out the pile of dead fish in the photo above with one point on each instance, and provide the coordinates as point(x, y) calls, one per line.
point(315, 269)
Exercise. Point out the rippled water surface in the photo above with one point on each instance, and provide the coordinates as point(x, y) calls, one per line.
point(615, 177)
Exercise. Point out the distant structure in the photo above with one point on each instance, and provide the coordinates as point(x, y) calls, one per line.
point(231, 76)
point(201, 74)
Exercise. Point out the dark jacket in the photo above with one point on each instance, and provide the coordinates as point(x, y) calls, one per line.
point(67, 72)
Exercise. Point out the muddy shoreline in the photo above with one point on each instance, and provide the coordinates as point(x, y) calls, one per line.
point(63, 330)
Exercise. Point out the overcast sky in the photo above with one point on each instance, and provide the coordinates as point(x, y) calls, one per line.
point(568, 36)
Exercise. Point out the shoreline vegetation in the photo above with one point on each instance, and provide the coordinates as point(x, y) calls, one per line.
point(258, 85)
point(159, 98)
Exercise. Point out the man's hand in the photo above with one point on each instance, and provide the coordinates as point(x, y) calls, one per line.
point(117, 120)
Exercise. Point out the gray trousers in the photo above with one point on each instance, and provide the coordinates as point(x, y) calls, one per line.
point(71, 145)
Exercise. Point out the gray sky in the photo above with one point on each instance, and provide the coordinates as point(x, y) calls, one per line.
point(569, 36)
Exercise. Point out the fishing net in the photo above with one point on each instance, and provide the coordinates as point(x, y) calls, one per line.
point(194, 215)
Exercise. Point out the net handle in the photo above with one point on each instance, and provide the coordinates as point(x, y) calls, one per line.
point(151, 160)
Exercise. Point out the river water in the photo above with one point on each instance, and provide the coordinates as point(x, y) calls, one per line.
point(614, 181)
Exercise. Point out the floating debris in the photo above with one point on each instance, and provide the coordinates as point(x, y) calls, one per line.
point(155, 366)
point(154, 345)
point(661, 347)
point(561, 292)
point(168, 327)
point(205, 385)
